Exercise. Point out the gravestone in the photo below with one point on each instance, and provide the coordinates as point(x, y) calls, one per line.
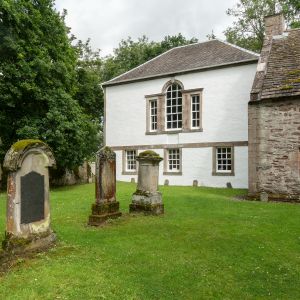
point(28, 209)
point(106, 206)
point(229, 185)
point(264, 197)
point(147, 198)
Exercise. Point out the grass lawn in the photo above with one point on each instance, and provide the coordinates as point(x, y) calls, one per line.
point(206, 246)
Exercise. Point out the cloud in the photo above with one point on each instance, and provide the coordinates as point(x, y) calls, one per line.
point(107, 22)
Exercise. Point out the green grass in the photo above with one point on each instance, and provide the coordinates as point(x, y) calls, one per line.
point(206, 246)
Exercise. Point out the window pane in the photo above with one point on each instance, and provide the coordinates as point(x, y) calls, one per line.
point(174, 107)
point(174, 160)
point(195, 113)
point(223, 159)
point(153, 115)
point(131, 160)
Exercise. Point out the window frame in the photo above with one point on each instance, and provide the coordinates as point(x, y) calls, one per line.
point(179, 88)
point(125, 170)
point(167, 170)
point(217, 172)
point(199, 111)
point(150, 101)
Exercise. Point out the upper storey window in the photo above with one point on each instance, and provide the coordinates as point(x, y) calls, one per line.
point(174, 106)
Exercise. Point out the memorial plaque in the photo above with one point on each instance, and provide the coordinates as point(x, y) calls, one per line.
point(32, 198)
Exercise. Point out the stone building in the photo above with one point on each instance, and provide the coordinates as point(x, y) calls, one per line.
point(274, 115)
point(190, 105)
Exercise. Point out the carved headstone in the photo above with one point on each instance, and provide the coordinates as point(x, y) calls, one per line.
point(28, 209)
point(105, 206)
point(147, 198)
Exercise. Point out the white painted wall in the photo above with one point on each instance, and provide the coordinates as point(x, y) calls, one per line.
point(225, 99)
point(197, 165)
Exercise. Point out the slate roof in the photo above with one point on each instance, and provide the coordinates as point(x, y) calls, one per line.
point(190, 58)
point(282, 78)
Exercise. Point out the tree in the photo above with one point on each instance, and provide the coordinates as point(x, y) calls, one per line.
point(248, 29)
point(39, 83)
point(211, 36)
point(89, 93)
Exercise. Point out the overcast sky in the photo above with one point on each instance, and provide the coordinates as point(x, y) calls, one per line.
point(106, 22)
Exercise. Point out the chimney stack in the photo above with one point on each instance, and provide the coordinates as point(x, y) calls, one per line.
point(274, 25)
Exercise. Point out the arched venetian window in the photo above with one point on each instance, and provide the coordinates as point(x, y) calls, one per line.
point(174, 106)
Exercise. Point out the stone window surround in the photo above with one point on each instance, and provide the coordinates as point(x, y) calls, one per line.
point(153, 115)
point(166, 169)
point(124, 161)
point(186, 112)
point(214, 161)
point(212, 145)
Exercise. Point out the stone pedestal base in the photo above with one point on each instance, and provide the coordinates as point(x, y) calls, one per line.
point(104, 211)
point(147, 203)
point(33, 242)
point(147, 209)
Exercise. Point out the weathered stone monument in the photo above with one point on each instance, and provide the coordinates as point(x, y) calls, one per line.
point(147, 198)
point(105, 206)
point(28, 209)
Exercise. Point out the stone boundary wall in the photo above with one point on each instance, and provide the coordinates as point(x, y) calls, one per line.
point(83, 174)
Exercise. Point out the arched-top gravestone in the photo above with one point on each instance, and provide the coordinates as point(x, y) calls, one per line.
point(28, 209)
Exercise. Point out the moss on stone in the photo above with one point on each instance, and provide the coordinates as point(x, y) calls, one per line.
point(106, 153)
point(294, 72)
point(21, 145)
point(106, 149)
point(148, 153)
point(287, 87)
point(142, 193)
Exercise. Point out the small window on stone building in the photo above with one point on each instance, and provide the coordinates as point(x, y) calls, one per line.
point(174, 160)
point(195, 111)
point(131, 160)
point(153, 115)
point(223, 161)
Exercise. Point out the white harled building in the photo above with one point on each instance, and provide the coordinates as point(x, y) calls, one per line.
point(189, 104)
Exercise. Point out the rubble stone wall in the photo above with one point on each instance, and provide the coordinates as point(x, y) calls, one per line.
point(274, 148)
